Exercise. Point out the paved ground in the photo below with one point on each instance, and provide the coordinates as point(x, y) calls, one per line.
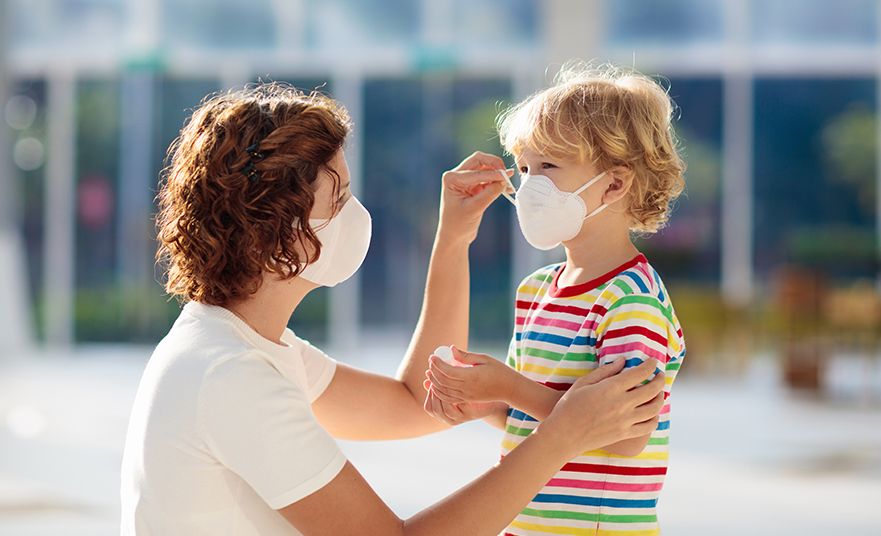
point(747, 457)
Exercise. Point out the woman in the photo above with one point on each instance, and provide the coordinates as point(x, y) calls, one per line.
point(232, 428)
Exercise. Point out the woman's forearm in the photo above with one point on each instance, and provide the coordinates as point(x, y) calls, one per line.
point(488, 504)
point(444, 316)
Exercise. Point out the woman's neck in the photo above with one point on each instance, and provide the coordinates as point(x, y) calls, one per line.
point(593, 254)
point(269, 310)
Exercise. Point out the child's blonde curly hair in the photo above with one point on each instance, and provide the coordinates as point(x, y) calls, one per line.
point(610, 116)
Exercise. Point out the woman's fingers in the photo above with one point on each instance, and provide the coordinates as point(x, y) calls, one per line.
point(645, 428)
point(635, 376)
point(472, 181)
point(601, 373)
point(644, 393)
point(480, 159)
point(650, 409)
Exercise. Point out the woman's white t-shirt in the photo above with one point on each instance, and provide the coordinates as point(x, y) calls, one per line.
point(222, 432)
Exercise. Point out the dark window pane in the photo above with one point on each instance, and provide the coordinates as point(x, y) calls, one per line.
point(25, 115)
point(414, 129)
point(815, 175)
point(688, 248)
point(98, 302)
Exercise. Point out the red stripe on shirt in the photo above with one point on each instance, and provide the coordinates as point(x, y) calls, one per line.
point(633, 330)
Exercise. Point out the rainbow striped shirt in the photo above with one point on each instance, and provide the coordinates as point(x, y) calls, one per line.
point(564, 333)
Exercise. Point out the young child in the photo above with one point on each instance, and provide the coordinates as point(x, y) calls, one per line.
point(598, 161)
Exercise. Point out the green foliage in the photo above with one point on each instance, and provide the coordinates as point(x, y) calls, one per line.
point(843, 249)
point(113, 314)
point(850, 142)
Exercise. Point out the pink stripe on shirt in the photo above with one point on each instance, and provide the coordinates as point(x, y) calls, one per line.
point(611, 486)
point(634, 347)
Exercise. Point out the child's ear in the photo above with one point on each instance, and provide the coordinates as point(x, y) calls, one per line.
point(622, 180)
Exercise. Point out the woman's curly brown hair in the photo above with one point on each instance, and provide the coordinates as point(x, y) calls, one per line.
point(220, 229)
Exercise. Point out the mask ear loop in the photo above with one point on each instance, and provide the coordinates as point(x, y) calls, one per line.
point(587, 185)
point(508, 196)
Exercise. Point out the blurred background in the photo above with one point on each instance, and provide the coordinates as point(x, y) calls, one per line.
point(771, 257)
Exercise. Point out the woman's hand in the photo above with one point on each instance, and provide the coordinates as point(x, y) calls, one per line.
point(468, 189)
point(481, 379)
point(592, 415)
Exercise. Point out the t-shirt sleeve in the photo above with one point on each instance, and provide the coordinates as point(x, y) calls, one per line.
point(260, 425)
point(524, 299)
point(638, 327)
point(319, 368)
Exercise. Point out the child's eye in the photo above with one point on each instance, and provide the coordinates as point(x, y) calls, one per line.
point(547, 165)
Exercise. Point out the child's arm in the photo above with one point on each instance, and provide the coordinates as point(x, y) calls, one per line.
point(487, 379)
point(641, 329)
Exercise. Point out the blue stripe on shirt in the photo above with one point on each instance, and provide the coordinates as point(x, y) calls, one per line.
point(519, 415)
point(556, 339)
point(595, 501)
point(636, 279)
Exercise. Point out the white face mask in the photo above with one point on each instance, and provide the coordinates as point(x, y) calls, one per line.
point(344, 242)
point(548, 216)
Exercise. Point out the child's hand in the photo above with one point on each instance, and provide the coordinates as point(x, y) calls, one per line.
point(454, 414)
point(482, 379)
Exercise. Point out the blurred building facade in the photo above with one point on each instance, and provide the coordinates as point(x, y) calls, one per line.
point(777, 113)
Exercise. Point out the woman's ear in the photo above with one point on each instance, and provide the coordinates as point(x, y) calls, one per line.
point(622, 180)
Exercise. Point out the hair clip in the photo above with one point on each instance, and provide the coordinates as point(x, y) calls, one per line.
point(252, 150)
point(250, 170)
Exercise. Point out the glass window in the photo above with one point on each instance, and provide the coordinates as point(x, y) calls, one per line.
point(414, 130)
point(687, 249)
point(25, 116)
point(98, 305)
point(475, 107)
point(495, 22)
point(220, 24)
point(815, 154)
point(67, 23)
point(668, 22)
point(813, 21)
point(344, 23)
